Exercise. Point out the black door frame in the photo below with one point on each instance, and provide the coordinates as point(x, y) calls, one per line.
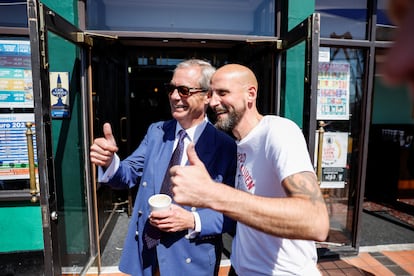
point(41, 19)
point(307, 31)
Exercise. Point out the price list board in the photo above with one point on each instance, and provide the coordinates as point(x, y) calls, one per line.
point(16, 90)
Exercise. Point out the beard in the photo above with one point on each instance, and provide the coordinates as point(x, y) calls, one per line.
point(228, 123)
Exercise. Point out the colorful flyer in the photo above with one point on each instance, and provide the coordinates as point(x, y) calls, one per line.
point(14, 160)
point(333, 91)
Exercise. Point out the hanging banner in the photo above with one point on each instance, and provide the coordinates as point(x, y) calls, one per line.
point(334, 159)
point(14, 161)
point(333, 91)
point(16, 89)
point(59, 94)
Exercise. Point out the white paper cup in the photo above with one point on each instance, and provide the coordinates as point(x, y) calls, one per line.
point(159, 202)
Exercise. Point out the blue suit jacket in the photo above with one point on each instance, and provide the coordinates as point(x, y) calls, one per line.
point(147, 165)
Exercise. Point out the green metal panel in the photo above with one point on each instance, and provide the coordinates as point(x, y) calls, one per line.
point(20, 228)
point(295, 63)
point(67, 145)
point(298, 11)
point(67, 139)
point(65, 8)
point(295, 73)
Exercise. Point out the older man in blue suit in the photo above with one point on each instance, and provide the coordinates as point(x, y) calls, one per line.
point(190, 238)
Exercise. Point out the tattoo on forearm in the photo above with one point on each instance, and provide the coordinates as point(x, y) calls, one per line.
point(305, 185)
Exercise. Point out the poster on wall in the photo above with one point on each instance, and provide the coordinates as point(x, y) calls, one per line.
point(14, 161)
point(334, 159)
point(333, 91)
point(59, 94)
point(15, 74)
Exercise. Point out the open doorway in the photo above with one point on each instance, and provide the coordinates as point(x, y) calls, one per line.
point(128, 89)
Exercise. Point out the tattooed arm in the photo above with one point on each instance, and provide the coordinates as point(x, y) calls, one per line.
point(301, 215)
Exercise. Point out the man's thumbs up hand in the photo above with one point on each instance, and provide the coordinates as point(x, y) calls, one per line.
point(103, 149)
point(107, 130)
point(193, 157)
point(190, 183)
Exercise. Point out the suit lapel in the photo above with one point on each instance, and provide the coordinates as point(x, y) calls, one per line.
point(204, 148)
point(205, 144)
point(165, 149)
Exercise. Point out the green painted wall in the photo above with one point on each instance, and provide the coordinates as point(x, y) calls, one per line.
point(295, 64)
point(20, 228)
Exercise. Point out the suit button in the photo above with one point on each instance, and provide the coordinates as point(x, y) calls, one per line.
point(188, 260)
point(144, 183)
point(193, 209)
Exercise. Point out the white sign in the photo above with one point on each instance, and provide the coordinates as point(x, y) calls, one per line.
point(334, 159)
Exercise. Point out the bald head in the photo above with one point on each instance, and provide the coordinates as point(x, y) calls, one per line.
point(233, 99)
point(237, 74)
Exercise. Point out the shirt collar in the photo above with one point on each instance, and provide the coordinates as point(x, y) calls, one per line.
point(193, 133)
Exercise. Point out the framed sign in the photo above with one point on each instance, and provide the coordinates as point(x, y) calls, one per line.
point(334, 159)
point(59, 94)
point(16, 90)
point(14, 161)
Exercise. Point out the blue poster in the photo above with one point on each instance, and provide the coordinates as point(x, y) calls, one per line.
point(16, 88)
point(14, 160)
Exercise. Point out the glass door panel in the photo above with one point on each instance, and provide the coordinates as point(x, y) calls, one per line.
point(340, 115)
point(321, 90)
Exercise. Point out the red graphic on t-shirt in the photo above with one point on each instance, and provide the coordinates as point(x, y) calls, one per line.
point(247, 178)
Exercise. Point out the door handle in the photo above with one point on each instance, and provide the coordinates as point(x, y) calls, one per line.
point(30, 152)
point(54, 215)
point(321, 132)
point(122, 123)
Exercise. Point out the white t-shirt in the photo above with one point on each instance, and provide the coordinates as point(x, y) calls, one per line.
point(273, 150)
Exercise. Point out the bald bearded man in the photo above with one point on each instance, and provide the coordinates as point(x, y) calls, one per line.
point(277, 201)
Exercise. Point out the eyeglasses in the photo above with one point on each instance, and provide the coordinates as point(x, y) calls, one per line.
point(183, 91)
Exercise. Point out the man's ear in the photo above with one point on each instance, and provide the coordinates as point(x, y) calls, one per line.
point(252, 93)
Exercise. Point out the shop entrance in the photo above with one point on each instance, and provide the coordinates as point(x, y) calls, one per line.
point(128, 92)
point(120, 80)
point(128, 81)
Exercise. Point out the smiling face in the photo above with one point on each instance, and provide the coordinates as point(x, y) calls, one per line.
point(233, 99)
point(188, 111)
point(227, 102)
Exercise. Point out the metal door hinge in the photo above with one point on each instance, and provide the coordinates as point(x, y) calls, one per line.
point(81, 37)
